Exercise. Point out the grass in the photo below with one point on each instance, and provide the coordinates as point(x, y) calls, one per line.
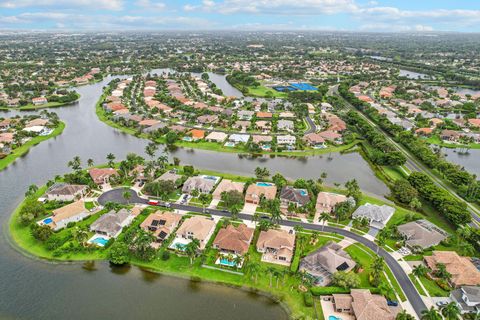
point(433, 289)
point(417, 285)
point(435, 139)
point(364, 257)
point(23, 149)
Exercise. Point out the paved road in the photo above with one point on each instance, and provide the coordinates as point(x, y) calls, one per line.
point(413, 164)
point(313, 127)
point(116, 195)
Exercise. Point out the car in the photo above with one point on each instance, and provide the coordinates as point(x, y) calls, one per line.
point(207, 211)
point(392, 303)
point(153, 202)
point(167, 204)
point(265, 217)
point(225, 210)
point(441, 303)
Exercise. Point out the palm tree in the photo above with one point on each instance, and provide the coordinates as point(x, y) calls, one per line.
point(234, 211)
point(276, 215)
point(380, 241)
point(377, 269)
point(431, 314)
point(420, 270)
point(253, 269)
point(110, 158)
point(90, 162)
point(255, 218)
point(404, 316)
point(204, 199)
point(237, 260)
point(442, 272)
point(191, 249)
point(127, 195)
point(271, 271)
point(324, 216)
point(80, 235)
point(451, 311)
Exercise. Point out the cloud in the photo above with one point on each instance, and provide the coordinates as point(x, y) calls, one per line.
point(63, 4)
point(148, 4)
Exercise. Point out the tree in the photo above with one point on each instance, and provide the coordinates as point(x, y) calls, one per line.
point(119, 253)
point(160, 188)
point(261, 173)
point(442, 273)
point(188, 170)
point(127, 195)
point(191, 249)
point(253, 268)
point(80, 235)
point(346, 280)
point(32, 189)
point(431, 314)
point(75, 163)
point(324, 216)
point(377, 271)
point(265, 225)
point(404, 191)
point(353, 190)
point(451, 311)
point(90, 162)
point(404, 316)
point(111, 158)
point(151, 149)
point(234, 211)
point(204, 199)
point(171, 137)
point(141, 245)
point(279, 180)
point(342, 210)
point(41, 233)
point(194, 193)
point(415, 204)
point(420, 270)
point(232, 198)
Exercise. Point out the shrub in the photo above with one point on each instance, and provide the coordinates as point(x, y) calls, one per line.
point(165, 255)
point(308, 299)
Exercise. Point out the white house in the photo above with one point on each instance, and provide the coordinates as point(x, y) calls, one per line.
point(239, 138)
point(286, 140)
point(377, 215)
point(72, 212)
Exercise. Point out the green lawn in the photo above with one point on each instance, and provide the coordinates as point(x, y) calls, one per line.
point(31, 106)
point(435, 139)
point(417, 284)
point(23, 149)
point(433, 289)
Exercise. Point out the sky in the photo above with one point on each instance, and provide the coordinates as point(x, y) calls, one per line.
point(326, 15)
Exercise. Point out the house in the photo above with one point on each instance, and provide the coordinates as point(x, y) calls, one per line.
point(314, 139)
point(285, 125)
point(263, 125)
point(197, 134)
point(378, 216)
point(207, 119)
point(148, 122)
point(112, 223)
point(298, 197)
point(326, 201)
point(242, 125)
point(197, 227)
point(264, 115)
point(421, 233)
point(139, 173)
point(200, 183)
point(39, 122)
point(245, 114)
point(233, 239)
point(424, 131)
point(170, 176)
point(286, 140)
point(277, 246)
point(65, 192)
point(215, 136)
point(7, 137)
point(474, 123)
point(450, 135)
point(259, 139)
point(462, 269)
point(227, 185)
point(256, 191)
point(324, 262)
point(239, 138)
point(72, 212)
point(467, 298)
point(161, 224)
point(39, 101)
point(362, 305)
point(331, 136)
point(102, 175)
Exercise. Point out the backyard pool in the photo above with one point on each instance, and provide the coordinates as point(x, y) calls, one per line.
point(334, 318)
point(264, 184)
point(187, 139)
point(266, 147)
point(98, 240)
point(179, 244)
point(229, 144)
point(48, 221)
point(226, 262)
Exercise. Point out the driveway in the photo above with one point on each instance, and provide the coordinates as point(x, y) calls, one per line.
point(249, 208)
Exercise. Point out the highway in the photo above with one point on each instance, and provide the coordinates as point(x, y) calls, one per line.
point(413, 164)
point(116, 195)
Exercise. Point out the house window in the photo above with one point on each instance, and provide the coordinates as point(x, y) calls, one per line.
point(282, 258)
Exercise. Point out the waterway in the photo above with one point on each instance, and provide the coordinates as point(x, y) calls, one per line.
point(37, 290)
point(470, 161)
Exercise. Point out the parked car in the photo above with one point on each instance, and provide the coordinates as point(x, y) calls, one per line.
point(441, 303)
point(167, 204)
point(392, 303)
point(153, 202)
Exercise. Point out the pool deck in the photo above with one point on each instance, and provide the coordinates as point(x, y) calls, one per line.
point(328, 310)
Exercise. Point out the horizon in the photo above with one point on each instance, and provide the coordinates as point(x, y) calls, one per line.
point(385, 16)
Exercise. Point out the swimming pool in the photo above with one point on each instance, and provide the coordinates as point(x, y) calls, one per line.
point(264, 184)
point(334, 318)
point(229, 144)
point(48, 221)
point(187, 139)
point(226, 262)
point(99, 241)
point(266, 147)
point(303, 192)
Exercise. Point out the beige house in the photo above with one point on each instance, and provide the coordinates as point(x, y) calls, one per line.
point(255, 191)
point(462, 269)
point(234, 240)
point(362, 304)
point(326, 201)
point(227, 185)
point(61, 217)
point(65, 192)
point(216, 136)
point(277, 246)
point(197, 227)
